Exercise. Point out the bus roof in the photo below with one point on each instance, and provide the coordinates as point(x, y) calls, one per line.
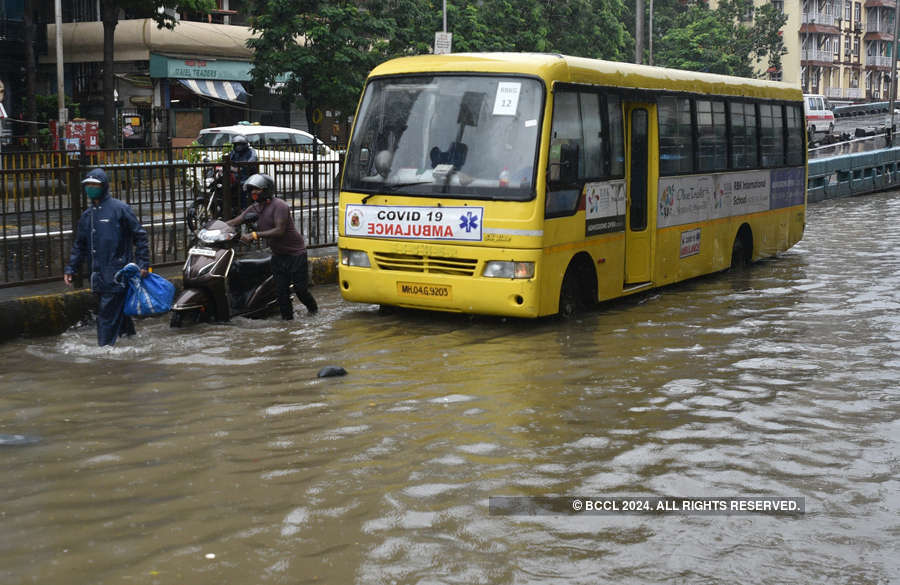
point(594, 71)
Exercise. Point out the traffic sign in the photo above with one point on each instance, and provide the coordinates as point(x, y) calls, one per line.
point(443, 42)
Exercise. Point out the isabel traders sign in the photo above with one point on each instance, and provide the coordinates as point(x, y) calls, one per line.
point(414, 223)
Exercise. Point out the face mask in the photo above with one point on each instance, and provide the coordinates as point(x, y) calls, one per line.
point(94, 191)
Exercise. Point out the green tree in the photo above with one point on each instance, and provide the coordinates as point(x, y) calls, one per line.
point(325, 49)
point(730, 39)
point(109, 15)
point(588, 28)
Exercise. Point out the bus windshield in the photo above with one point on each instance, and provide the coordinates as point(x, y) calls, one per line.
point(447, 136)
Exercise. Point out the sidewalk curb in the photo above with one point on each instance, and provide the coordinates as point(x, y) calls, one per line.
point(52, 314)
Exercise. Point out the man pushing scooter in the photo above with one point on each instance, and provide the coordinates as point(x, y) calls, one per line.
point(289, 259)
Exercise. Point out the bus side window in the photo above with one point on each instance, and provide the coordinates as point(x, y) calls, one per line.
point(743, 135)
point(565, 141)
point(676, 136)
point(616, 133)
point(795, 147)
point(712, 141)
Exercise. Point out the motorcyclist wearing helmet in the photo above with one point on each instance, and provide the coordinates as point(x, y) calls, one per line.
point(242, 152)
point(289, 260)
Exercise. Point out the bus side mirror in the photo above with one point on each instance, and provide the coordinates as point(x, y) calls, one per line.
point(383, 161)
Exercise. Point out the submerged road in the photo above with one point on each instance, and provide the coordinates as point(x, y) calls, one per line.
point(215, 455)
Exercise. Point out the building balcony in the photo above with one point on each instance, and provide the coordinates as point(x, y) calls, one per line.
point(880, 4)
point(818, 55)
point(880, 27)
point(833, 92)
point(819, 18)
point(878, 61)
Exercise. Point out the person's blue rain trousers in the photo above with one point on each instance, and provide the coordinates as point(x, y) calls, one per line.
point(111, 318)
point(108, 237)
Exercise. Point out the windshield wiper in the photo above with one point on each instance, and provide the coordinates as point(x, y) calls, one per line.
point(392, 188)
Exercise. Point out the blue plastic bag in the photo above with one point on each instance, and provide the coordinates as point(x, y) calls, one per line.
point(152, 295)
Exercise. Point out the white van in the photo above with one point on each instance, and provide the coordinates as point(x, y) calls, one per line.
point(819, 118)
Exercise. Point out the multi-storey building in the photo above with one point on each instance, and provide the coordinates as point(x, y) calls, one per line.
point(840, 48)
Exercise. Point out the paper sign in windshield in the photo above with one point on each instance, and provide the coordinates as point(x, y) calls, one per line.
point(507, 100)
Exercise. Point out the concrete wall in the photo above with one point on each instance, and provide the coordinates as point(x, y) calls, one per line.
point(52, 314)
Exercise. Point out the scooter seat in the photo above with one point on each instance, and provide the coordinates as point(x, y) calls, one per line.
point(248, 273)
point(255, 262)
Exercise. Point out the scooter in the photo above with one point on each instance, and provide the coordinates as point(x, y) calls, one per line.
point(218, 287)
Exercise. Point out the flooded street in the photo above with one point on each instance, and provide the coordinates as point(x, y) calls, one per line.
point(214, 454)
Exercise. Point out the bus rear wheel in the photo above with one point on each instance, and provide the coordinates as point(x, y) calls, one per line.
point(742, 251)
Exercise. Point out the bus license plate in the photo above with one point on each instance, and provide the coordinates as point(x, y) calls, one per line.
point(202, 252)
point(422, 290)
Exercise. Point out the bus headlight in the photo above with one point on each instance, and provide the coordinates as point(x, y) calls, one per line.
point(505, 269)
point(355, 258)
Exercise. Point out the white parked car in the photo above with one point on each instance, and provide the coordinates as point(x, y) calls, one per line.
point(276, 143)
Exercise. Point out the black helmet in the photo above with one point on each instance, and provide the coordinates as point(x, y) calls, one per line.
point(240, 143)
point(263, 182)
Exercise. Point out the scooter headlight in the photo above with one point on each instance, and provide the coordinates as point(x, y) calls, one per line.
point(355, 258)
point(504, 269)
point(212, 236)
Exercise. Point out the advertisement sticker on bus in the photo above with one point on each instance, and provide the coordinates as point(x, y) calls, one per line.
point(690, 243)
point(749, 192)
point(604, 207)
point(407, 222)
point(787, 187)
point(684, 200)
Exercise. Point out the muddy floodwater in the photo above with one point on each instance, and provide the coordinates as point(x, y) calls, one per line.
point(214, 454)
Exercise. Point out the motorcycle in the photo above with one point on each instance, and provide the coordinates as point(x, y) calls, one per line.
point(216, 286)
point(209, 205)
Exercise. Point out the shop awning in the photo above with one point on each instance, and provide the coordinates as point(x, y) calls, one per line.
point(229, 91)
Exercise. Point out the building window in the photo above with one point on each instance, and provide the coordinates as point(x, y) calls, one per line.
point(857, 12)
point(779, 6)
point(847, 10)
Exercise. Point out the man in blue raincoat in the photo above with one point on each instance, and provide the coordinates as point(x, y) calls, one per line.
point(108, 236)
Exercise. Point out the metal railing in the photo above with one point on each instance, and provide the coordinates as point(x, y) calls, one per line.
point(823, 18)
point(847, 174)
point(42, 199)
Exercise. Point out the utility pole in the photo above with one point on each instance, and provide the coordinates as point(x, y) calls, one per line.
point(894, 71)
point(650, 36)
point(639, 32)
point(60, 82)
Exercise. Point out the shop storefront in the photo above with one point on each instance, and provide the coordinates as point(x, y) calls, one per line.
point(169, 83)
point(200, 92)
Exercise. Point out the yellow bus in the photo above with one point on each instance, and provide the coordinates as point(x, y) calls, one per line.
point(530, 184)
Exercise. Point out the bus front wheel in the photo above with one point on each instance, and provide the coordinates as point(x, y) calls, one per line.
point(578, 290)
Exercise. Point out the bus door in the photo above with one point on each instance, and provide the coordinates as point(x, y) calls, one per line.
point(640, 186)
